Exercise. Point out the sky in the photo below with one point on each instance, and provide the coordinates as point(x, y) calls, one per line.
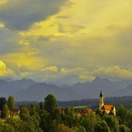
point(66, 41)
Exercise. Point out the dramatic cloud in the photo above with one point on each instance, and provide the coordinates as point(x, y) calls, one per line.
point(67, 41)
point(4, 71)
point(8, 41)
point(114, 72)
point(2, 2)
point(20, 14)
point(1, 25)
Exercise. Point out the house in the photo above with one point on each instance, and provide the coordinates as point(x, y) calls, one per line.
point(90, 110)
point(82, 111)
point(106, 107)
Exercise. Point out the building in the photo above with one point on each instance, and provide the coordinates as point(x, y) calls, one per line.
point(109, 109)
point(82, 111)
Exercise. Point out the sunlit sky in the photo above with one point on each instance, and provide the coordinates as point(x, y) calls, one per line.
point(66, 41)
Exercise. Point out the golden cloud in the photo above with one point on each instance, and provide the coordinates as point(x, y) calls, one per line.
point(51, 68)
point(114, 72)
point(4, 71)
point(3, 2)
point(25, 60)
point(2, 25)
point(83, 33)
point(92, 18)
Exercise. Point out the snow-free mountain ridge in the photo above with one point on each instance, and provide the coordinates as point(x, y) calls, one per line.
point(29, 90)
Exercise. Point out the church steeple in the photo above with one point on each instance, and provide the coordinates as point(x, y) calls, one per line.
point(101, 93)
point(101, 100)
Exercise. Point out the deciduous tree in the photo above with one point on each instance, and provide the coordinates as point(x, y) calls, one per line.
point(64, 128)
point(11, 102)
point(24, 110)
point(112, 123)
point(5, 111)
point(101, 126)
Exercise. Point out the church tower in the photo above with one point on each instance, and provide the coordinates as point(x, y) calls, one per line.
point(101, 100)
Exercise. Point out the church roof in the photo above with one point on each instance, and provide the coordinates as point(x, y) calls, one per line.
point(107, 107)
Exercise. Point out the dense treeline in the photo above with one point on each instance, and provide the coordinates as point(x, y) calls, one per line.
point(47, 117)
point(6, 106)
point(93, 103)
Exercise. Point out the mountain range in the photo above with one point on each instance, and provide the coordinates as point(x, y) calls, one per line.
point(29, 90)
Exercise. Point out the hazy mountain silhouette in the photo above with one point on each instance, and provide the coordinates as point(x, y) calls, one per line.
point(9, 88)
point(39, 91)
point(92, 89)
point(27, 89)
point(123, 92)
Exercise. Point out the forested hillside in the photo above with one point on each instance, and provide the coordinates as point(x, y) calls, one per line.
point(48, 117)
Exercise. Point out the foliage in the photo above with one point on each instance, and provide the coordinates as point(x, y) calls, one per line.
point(2, 102)
point(17, 124)
point(89, 122)
point(122, 114)
point(24, 110)
point(78, 129)
point(11, 103)
point(63, 128)
point(31, 122)
point(5, 111)
point(32, 110)
point(101, 126)
point(47, 117)
point(41, 105)
point(6, 128)
point(69, 117)
point(112, 123)
point(50, 103)
point(124, 128)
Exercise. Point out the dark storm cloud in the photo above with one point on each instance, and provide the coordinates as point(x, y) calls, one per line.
point(20, 14)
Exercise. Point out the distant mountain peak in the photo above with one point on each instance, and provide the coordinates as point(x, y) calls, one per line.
point(99, 79)
point(26, 79)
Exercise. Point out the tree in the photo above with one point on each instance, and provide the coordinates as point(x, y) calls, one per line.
point(7, 128)
point(32, 110)
point(124, 128)
point(2, 102)
point(69, 117)
point(129, 119)
point(101, 126)
point(89, 122)
point(50, 103)
point(112, 123)
point(78, 129)
point(122, 114)
point(63, 128)
point(41, 106)
point(24, 110)
point(17, 124)
point(48, 124)
point(11, 103)
point(5, 111)
point(32, 124)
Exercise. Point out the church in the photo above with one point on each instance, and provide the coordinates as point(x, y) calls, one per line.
point(105, 107)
